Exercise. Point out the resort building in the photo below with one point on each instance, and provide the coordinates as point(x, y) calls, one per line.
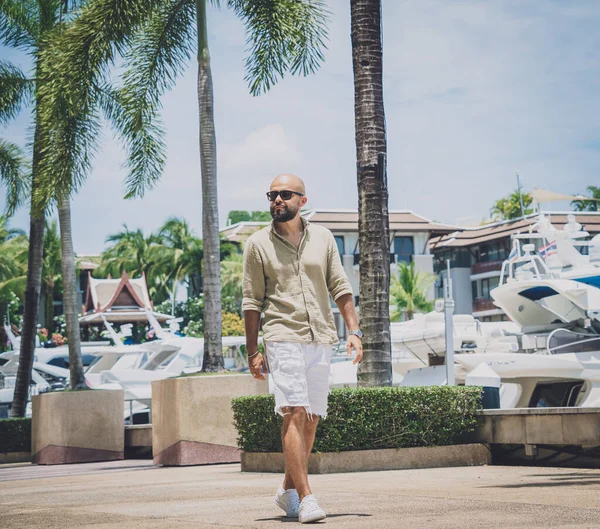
point(476, 256)
point(410, 235)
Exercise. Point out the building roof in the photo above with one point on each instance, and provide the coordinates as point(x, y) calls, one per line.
point(119, 300)
point(240, 231)
point(88, 262)
point(590, 222)
point(400, 221)
point(339, 220)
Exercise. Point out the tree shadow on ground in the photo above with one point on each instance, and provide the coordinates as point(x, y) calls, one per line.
point(561, 480)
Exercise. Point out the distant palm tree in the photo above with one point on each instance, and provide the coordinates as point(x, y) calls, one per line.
point(232, 271)
point(373, 216)
point(588, 205)
point(13, 263)
point(509, 207)
point(137, 254)
point(408, 291)
point(283, 35)
point(182, 253)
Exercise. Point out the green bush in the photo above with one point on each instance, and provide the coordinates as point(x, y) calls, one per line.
point(368, 418)
point(15, 435)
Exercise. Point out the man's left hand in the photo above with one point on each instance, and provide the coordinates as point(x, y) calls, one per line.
point(355, 343)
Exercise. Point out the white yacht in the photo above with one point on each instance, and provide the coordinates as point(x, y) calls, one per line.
point(556, 303)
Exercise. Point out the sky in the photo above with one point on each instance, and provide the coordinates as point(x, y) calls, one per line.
point(474, 92)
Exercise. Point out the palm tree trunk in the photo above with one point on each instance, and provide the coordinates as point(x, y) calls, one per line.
point(213, 349)
point(33, 284)
point(49, 312)
point(70, 295)
point(373, 218)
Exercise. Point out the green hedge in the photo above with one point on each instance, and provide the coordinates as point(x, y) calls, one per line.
point(15, 435)
point(368, 418)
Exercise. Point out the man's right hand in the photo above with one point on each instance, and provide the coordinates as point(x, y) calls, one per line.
point(257, 366)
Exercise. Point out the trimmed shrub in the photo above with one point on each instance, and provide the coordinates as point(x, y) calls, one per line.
point(368, 418)
point(15, 435)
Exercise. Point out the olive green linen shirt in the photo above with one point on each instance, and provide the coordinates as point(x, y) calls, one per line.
point(292, 286)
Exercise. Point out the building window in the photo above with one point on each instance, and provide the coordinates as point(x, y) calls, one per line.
point(339, 240)
point(493, 251)
point(487, 285)
point(459, 258)
point(474, 289)
point(404, 249)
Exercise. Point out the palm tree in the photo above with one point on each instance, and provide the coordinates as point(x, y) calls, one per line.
point(51, 270)
point(27, 25)
point(588, 205)
point(408, 291)
point(12, 162)
point(13, 263)
point(34, 26)
point(183, 252)
point(509, 207)
point(283, 35)
point(232, 270)
point(373, 217)
point(137, 254)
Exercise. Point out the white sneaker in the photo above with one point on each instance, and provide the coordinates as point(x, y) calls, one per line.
point(309, 510)
point(288, 500)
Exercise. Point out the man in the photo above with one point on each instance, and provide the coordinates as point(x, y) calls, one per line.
point(290, 269)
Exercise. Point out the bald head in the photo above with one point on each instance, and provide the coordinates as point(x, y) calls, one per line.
point(288, 209)
point(288, 181)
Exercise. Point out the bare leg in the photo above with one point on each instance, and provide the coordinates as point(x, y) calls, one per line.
point(310, 430)
point(295, 450)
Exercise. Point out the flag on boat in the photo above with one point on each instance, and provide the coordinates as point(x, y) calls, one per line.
point(548, 250)
point(514, 253)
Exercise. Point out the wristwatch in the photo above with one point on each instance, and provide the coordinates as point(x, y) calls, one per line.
point(356, 332)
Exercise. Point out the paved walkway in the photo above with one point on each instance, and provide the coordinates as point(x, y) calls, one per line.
point(133, 494)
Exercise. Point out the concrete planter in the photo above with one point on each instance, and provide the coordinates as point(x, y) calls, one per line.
point(540, 426)
point(372, 460)
point(77, 427)
point(192, 419)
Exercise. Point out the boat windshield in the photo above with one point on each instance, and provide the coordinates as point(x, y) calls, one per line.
point(562, 341)
point(530, 266)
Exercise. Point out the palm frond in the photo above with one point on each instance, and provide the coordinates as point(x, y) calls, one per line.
point(13, 173)
point(282, 36)
point(74, 64)
point(159, 53)
point(15, 89)
point(19, 23)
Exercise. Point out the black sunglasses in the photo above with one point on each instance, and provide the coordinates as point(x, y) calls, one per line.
point(285, 195)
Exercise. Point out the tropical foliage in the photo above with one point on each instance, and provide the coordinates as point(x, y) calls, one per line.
point(509, 207)
point(171, 256)
point(236, 216)
point(233, 325)
point(408, 291)
point(232, 269)
point(588, 205)
point(13, 270)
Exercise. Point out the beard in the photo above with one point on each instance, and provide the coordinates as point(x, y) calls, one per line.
point(283, 215)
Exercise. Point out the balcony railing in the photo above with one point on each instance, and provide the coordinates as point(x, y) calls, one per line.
point(486, 266)
point(481, 304)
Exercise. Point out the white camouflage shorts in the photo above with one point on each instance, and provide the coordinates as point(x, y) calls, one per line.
point(299, 375)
